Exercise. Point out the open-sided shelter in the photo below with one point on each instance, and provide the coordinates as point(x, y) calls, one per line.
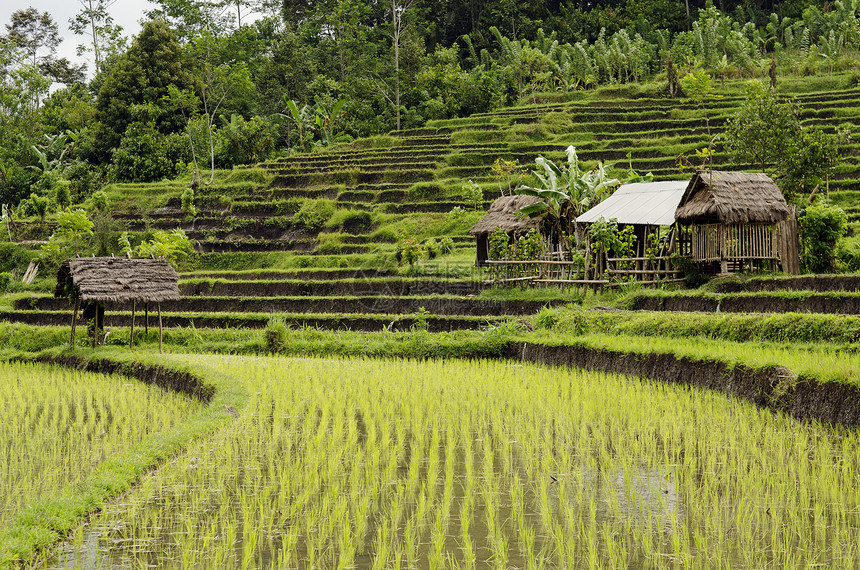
point(503, 214)
point(730, 220)
point(117, 280)
point(646, 206)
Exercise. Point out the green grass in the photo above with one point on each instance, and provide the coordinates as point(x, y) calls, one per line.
point(450, 462)
point(39, 525)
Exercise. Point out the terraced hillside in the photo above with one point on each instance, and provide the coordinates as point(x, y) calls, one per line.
point(322, 228)
point(410, 180)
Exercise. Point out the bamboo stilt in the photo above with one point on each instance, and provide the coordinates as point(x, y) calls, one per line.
point(160, 331)
point(74, 322)
point(96, 325)
point(131, 333)
point(146, 318)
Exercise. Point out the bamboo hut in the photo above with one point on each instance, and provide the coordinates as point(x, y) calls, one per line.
point(731, 221)
point(503, 214)
point(117, 280)
point(649, 207)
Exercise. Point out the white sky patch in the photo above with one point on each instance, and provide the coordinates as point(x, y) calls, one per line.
point(126, 13)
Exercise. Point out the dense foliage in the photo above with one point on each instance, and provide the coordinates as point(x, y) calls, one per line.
point(215, 85)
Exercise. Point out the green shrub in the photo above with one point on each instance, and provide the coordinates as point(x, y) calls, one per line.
point(473, 195)
point(547, 318)
point(431, 248)
point(276, 335)
point(14, 257)
point(820, 230)
point(314, 214)
point(38, 205)
point(446, 245)
point(408, 251)
point(499, 244)
point(848, 254)
point(62, 195)
point(174, 246)
point(530, 246)
point(187, 201)
point(5, 281)
point(100, 200)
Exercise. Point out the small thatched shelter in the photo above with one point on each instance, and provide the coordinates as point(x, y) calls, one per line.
point(733, 219)
point(503, 214)
point(117, 280)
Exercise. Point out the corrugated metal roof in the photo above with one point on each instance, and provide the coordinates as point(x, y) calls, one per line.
point(648, 203)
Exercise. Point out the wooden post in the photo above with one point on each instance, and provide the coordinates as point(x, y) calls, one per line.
point(146, 318)
point(131, 333)
point(96, 325)
point(159, 327)
point(74, 322)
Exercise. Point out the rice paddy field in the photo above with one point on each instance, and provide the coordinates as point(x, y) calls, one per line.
point(60, 424)
point(365, 463)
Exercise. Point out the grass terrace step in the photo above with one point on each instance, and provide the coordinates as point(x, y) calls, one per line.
point(436, 305)
point(357, 287)
point(354, 322)
point(369, 165)
point(839, 303)
point(261, 245)
point(260, 274)
point(816, 283)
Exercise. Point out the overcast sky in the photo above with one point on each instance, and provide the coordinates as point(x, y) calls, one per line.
point(126, 13)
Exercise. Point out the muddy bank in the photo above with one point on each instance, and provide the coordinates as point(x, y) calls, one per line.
point(818, 283)
point(350, 305)
point(165, 378)
point(777, 389)
point(333, 323)
point(824, 303)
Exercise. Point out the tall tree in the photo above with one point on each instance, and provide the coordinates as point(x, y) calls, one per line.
point(21, 86)
point(144, 74)
point(398, 27)
point(189, 18)
point(32, 31)
point(94, 21)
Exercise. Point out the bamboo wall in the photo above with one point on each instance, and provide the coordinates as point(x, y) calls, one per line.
point(746, 242)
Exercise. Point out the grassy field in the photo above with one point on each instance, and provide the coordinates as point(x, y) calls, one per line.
point(457, 455)
point(73, 422)
point(430, 464)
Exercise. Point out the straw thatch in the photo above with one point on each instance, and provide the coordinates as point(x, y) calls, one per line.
point(731, 198)
point(118, 279)
point(503, 214)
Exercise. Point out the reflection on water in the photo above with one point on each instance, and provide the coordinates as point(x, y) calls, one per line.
point(640, 495)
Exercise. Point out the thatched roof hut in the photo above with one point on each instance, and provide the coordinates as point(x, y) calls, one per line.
point(735, 221)
point(503, 214)
point(715, 196)
point(117, 280)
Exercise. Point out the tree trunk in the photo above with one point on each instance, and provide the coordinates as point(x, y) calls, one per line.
point(396, 22)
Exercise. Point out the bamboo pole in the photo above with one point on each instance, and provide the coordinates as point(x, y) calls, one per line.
point(160, 330)
point(96, 325)
point(131, 333)
point(146, 318)
point(74, 322)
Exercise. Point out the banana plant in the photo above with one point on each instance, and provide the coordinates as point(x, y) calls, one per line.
point(302, 118)
point(565, 192)
point(325, 119)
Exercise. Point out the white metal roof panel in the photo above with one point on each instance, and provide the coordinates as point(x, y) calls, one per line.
point(648, 203)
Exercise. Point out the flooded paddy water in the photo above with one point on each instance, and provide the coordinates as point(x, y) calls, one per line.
point(456, 464)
